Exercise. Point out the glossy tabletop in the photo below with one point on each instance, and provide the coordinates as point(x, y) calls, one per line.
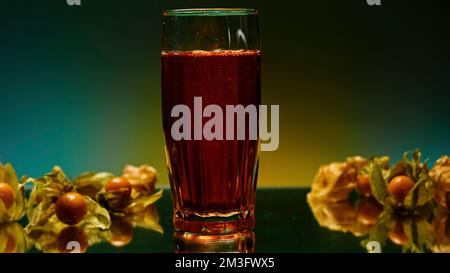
point(284, 223)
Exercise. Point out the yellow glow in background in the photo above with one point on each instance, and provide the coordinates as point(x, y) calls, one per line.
point(80, 88)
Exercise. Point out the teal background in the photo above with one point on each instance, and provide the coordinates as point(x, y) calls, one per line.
point(80, 86)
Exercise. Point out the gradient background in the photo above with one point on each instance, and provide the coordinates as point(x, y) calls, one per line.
point(80, 86)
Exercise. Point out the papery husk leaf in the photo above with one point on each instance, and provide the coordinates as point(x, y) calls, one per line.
point(41, 215)
point(49, 187)
point(17, 210)
point(382, 162)
point(34, 198)
point(417, 166)
point(117, 203)
point(418, 233)
point(45, 241)
point(2, 173)
point(337, 216)
point(141, 203)
point(359, 229)
point(423, 189)
point(408, 230)
point(91, 184)
point(334, 182)
point(15, 232)
point(421, 193)
point(379, 232)
point(45, 238)
point(398, 169)
point(439, 230)
point(403, 167)
point(113, 201)
point(96, 217)
point(10, 176)
point(3, 238)
point(378, 183)
point(45, 194)
point(424, 237)
point(96, 236)
point(4, 217)
point(147, 219)
point(440, 174)
point(362, 227)
point(142, 178)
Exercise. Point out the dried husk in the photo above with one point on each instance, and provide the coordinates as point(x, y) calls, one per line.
point(335, 181)
point(42, 202)
point(13, 231)
point(142, 178)
point(17, 210)
point(45, 237)
point(440, 173)
point(336, 216)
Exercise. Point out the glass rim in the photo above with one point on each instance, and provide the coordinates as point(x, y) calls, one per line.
point(210, 12)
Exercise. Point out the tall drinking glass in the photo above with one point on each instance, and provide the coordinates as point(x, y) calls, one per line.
point(211, 89)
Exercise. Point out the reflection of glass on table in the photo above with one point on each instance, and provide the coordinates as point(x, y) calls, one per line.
point(242, 242)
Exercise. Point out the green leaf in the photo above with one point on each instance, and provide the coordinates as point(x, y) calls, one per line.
point(423, 234)
point(416, 165)
point(383, 161)
point(379, 232)
point(378, 184)
point(421, 193)
point(398, 169)
point(418, 233)
point(416, 156)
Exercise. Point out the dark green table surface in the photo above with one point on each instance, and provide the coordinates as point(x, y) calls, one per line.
point(284, 223)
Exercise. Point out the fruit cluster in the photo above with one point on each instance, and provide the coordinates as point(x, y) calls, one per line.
point(93, 207)
point(407, 202)
point(407, 185)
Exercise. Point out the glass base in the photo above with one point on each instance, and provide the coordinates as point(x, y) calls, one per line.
point(241, 242)
point(214, 223)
